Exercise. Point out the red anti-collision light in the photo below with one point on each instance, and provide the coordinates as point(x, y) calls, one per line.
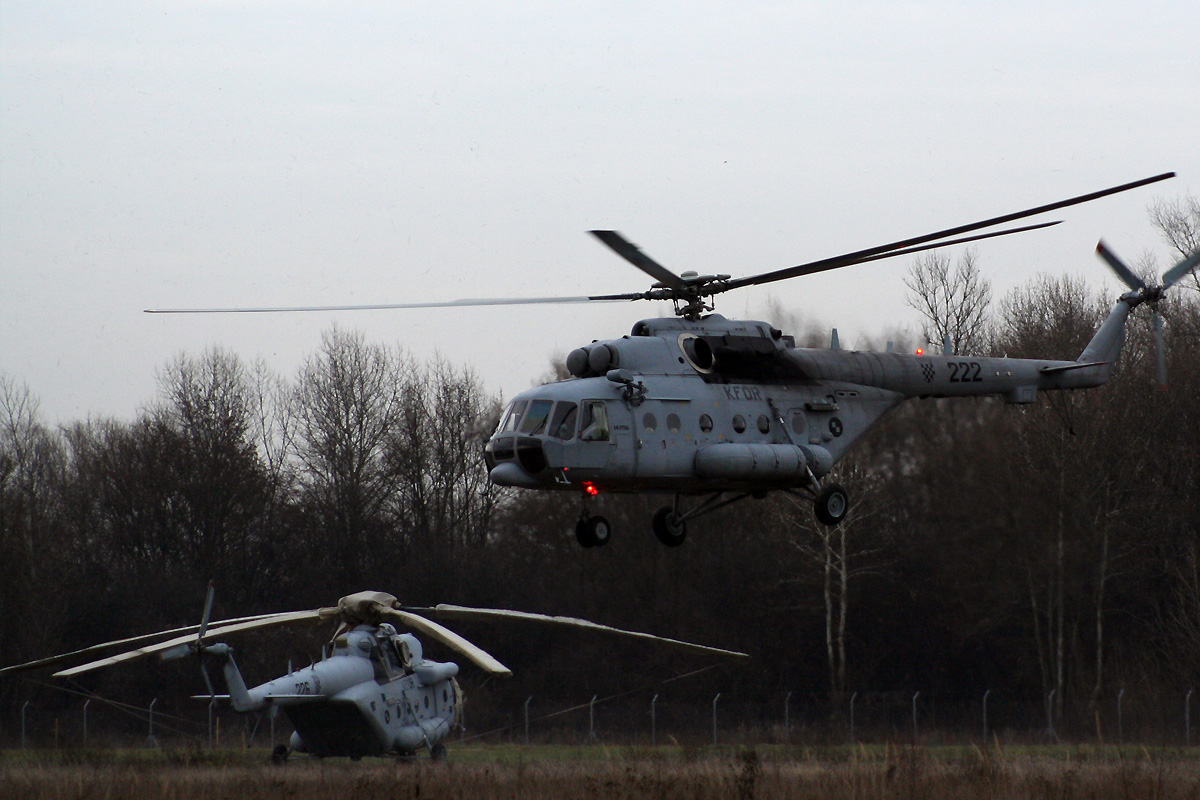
point(920, 351)
point(591, 489)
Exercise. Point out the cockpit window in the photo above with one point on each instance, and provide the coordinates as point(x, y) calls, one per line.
point(594, 425)
point(512, 418)
point(562, 424)
point(535, 418)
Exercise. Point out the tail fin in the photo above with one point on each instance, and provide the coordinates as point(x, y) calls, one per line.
point(1105, 346)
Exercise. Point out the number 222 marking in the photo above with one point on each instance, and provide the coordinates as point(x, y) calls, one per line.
point(964, 371)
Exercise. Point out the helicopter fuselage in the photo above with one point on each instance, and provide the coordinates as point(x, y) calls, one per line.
point(374, 694)
point(718, 405)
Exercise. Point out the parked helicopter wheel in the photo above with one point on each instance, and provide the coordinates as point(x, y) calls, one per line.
point(438, 752)
point(669, 529)
point(279, 755)
point(832, 504)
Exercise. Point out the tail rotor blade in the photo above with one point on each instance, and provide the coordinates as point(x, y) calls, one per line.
point(1159, 356)
point(1179, 270)
point(1118, 266)
point(208, 601)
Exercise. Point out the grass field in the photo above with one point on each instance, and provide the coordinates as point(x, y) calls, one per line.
point(662, 773)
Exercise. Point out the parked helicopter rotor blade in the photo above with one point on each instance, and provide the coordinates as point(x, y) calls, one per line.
point(1179, 270)
point(859, 256)
point(76, 655)
point(1118, 266)
point(634, 255)
point(311, 616)
point(483, 659)
point(478, 301)
point(492, 614)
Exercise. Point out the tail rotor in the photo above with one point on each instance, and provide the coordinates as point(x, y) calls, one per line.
point(1142, 293)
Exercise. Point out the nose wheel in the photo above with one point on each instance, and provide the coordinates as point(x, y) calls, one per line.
point(592, 531)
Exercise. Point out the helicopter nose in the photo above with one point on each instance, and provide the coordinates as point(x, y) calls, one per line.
point(509, 473)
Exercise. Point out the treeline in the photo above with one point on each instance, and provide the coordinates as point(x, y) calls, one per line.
point(1021, 549)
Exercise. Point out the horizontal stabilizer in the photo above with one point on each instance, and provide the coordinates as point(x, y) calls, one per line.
point(1077, 365)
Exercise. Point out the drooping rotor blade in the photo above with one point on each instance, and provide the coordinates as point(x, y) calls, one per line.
point(76, 655)
point(479, 301)
point(1118, 266)
point(1179, 270)
point(863, 255)
point(482, 659)
point(1160, 360)
point(492, 614)
point(634, 255)
point(311, 616)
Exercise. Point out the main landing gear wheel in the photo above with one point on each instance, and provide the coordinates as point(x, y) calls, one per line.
point(592, 531)
point(279, 755)
point(832, 504)
point(669, 529)
point(437, 753)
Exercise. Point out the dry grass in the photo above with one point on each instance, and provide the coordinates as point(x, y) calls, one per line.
point(658, 774)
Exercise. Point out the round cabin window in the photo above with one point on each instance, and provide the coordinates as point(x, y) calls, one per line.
point(764, 424)
point(706, 424)
point(649, 422)
point(739, 423)
point(673, 423)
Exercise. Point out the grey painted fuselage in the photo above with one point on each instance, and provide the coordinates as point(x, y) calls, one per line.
point(717, 405)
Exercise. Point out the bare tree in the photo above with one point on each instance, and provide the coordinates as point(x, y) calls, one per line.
point(843, 553)
point(345, 404)
point(1179, 222)
point(953, 301)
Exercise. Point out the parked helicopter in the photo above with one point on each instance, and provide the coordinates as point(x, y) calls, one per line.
point(373, 693)
point(729, 409)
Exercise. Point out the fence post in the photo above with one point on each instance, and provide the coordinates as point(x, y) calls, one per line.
point(914, 704)
point(1120, 718)
point(853, 697)
point(150, 740)
point(87, 703)
point(27, 702)
point(653, 722)
point(592, 720)
point(787, 718)
point(1187, 718)
point(527, 699)
point(985, 725)
point(715, 699)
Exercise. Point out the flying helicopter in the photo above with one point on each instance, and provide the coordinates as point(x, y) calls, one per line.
point(698, 405)
point(372, 693)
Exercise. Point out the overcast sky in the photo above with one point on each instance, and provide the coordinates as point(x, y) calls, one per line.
point(293, 153)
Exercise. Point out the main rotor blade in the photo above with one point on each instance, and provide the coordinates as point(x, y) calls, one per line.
point(863, 255)
point(951, 242)
point(479, 301)
point(462, 612)
point(75, 655)
point(634, 255)
point(1118, 266)
point(311, 616)
point(478, 655)
point(1179, 270)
